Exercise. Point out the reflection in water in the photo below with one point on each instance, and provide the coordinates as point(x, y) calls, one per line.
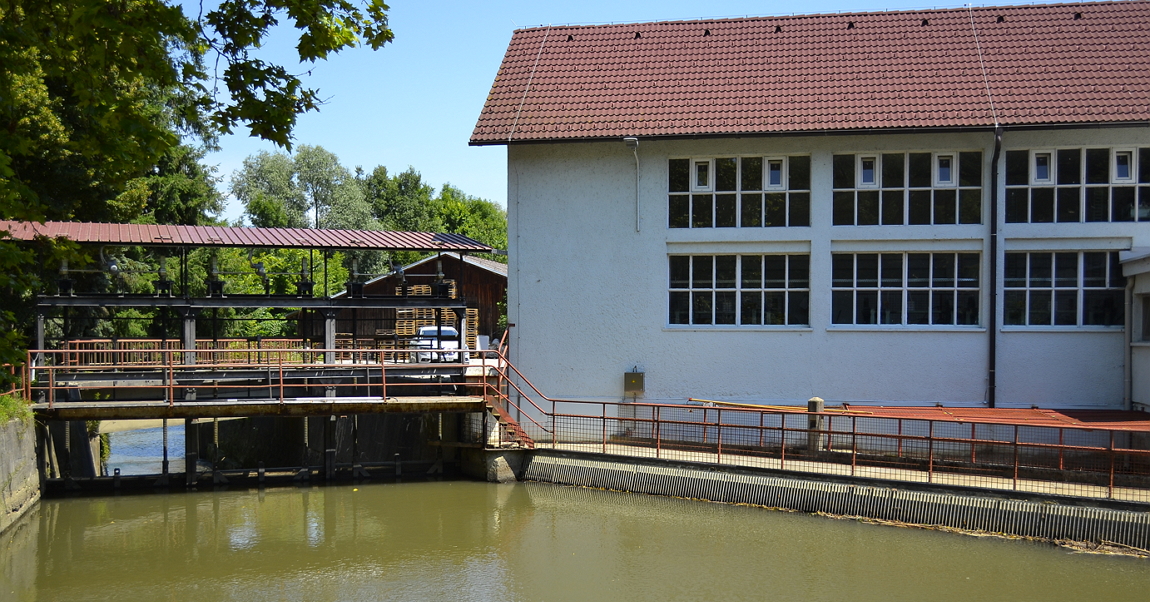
point(141, 451)
point(476, 541)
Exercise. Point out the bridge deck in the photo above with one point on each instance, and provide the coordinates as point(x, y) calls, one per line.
point(225, 408)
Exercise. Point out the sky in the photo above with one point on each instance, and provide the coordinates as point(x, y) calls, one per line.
point(415, 101)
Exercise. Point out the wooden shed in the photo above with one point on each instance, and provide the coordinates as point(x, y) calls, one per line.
point(482, 283)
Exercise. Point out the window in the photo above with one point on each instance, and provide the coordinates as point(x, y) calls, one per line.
point(759, 290)
point(702, 181)
point(893, 189)
point(1078, 185)
point(868, 177)
point(1063, 289)
point(747, 192)
point(944, 170)
point(905, 288)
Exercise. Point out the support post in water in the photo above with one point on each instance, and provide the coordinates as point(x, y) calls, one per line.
point(814, 424)
point(329, 449)
point(191, 452)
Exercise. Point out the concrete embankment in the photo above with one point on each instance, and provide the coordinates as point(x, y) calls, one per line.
point(19, 479)
point(1054, 519)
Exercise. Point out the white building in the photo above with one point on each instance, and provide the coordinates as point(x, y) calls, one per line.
point(901, 208)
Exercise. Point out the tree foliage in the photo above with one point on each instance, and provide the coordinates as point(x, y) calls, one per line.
point(106, 106)
point(277, 188)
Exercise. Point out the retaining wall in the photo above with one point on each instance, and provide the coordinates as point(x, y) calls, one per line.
point(19, 480)
point(1053, 519)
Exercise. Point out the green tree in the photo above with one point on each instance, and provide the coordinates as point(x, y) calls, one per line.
point(266, 186)
point(95, 96)
point(402, 202)
point(480, 219)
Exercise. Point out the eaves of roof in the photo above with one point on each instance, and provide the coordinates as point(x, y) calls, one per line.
point(1018, 66)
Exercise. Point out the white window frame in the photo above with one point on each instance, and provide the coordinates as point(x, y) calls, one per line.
point(1133, 177)
point(1080, 289)
point(936, 168)
point(859, 183)
point(905, 289)
point(738, 291)
point(782, 186)
point(1052, 158)
point(710, 187)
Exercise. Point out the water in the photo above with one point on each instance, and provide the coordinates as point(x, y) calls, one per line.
point(462, 541)
point(141, 451)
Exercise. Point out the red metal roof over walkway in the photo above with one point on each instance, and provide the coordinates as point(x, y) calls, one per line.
point(153, 235)
point(1117, 420)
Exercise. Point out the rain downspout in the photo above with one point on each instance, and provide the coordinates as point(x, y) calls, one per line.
point(1127, 368)
point(633, 144)
point(992, 328)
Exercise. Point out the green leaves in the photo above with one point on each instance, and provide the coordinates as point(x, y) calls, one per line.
point(267, 98)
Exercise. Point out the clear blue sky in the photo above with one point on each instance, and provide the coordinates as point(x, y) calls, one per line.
point(415, 101)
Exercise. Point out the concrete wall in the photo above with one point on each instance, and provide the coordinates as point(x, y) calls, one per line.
point(588, 294)
point(19, 481)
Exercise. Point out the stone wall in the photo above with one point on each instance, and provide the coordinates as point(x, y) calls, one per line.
point(19, 481)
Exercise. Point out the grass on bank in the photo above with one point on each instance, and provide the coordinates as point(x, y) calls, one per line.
point(14, 406)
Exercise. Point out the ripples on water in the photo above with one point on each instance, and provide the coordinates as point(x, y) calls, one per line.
point(462, 541)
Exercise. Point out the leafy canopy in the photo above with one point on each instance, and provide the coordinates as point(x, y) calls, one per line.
point(106, 107)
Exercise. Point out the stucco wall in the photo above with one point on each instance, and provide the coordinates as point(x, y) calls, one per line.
point(588, 294)
point(19, 482)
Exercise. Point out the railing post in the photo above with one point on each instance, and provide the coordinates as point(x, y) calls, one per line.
point(761, 414)
point(1110, 488)
point(1015, 485)
point(51, 386)
point(719, 425)
point(604, 422)
point(554, 435)
point(1060, 466)
point(900, 437)
point(973, 436)
point(281, 365)
point(704, 426)
point(658, 435)
point(783, 439)
point(171, 383)
point(930, 452)
point(854, 443)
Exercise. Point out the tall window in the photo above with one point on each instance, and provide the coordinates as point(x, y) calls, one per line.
point(1077, 185)
point(760, 290)
point(893, 189)
point(748, 192)
point(905, 288)
point(1063, 289)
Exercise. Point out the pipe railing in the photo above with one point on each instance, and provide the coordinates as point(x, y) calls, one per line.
point(1066, 460)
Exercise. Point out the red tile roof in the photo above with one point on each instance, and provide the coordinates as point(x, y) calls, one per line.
point(222, 236)
point(1045, 64)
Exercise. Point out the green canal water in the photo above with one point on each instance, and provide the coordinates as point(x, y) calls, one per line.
point(461, 541)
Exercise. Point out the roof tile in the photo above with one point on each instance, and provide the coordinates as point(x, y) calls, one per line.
point(813, 73)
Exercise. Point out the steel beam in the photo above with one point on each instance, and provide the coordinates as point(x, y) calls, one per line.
point(255, 407)
point(249, 301)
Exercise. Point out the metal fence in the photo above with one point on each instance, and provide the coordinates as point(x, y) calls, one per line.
point(1071, 460)
point(1064, 460)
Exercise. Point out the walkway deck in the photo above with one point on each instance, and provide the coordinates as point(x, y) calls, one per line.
point(936, 477)
point(308, 406)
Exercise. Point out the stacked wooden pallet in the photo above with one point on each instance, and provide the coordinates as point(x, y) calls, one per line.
point(417, 290)
point(471, 336)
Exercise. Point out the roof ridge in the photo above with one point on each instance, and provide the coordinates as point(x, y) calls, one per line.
point(889, 11)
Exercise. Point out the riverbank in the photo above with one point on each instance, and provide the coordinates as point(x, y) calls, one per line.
point(19, 479)
point(1042, 518)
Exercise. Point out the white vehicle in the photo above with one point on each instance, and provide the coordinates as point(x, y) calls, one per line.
point(433, 337)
